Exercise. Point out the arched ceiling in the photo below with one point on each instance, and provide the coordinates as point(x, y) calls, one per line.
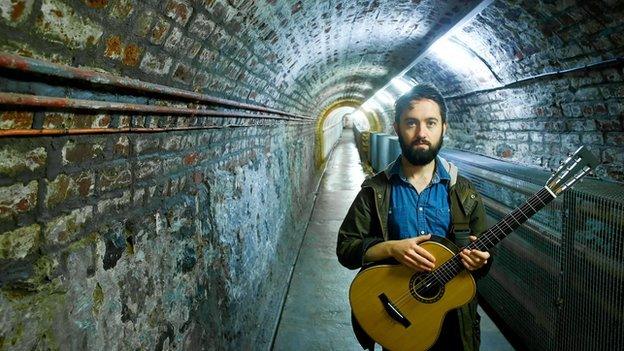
point(302, 56)
point(354, 47)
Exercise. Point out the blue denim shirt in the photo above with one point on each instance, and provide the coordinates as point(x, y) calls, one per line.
point(412, 214)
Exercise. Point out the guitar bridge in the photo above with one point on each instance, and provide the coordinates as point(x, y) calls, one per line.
point(393, 311)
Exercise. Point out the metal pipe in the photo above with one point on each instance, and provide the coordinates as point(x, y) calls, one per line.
point(30, 65)
point(66, 103)
point(597, 65)
point(78, 131)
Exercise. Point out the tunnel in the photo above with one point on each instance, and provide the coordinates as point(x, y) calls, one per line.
point(174, 173)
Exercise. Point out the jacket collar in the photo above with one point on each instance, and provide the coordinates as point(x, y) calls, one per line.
point(450, 168)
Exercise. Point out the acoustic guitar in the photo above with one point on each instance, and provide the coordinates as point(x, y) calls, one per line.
point(402, 309)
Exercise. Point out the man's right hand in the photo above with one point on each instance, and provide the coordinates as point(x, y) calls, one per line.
point(410, 253)
point(406, 251)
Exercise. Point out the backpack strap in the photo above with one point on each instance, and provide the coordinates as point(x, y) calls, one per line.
point(460, 222)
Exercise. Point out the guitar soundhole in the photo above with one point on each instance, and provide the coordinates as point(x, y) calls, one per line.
point(425, 290)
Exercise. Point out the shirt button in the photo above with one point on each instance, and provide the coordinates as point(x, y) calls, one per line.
point(422, 232)
point(472, 196)
point(379, 196)
point(420, 209)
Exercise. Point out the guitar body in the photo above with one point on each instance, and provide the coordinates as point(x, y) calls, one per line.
point(392, 306)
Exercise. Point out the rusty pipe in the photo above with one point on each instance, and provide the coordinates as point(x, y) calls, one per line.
point(31, 65)
point(66, 103)
point(79, 131)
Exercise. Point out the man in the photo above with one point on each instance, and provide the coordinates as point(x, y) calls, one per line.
point(418, 195)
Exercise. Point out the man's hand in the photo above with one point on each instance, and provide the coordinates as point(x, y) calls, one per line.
point(474, 259)
point(409, 253)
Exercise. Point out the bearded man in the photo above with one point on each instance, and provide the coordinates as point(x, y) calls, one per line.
point(416, 198)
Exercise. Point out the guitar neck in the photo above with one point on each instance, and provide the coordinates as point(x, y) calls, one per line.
point(498, 232)
point(512, 221)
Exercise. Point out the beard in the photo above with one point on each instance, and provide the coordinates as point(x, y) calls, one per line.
point(418, 156)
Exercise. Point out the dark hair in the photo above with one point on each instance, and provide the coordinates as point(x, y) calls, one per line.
point(420, 91)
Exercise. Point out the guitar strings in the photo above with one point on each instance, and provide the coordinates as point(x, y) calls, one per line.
point(446, 270)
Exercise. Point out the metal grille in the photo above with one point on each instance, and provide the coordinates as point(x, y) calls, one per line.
point(593, 256)
point(558, 281)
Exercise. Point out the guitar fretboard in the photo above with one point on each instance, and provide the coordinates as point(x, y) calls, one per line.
point(496, 233)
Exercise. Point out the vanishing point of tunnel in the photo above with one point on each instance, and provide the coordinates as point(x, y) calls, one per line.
point(174, 173)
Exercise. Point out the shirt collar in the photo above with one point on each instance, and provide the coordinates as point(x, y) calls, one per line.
point(439, 174)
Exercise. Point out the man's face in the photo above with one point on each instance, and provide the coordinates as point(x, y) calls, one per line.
point(421, 131)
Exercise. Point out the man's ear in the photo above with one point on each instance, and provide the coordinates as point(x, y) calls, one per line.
point(444, 128)
point(396, 128)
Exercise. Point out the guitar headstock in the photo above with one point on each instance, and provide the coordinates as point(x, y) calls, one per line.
point(572, 169)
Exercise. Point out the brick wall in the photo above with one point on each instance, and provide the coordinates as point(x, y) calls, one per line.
point(161, 240)
point(177, 238)
point(497, 109)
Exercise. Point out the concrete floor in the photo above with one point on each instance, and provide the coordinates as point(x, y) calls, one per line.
point(316, 314)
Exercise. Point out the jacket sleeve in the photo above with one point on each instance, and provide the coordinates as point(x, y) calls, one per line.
point(478, 225)
point(354, 235)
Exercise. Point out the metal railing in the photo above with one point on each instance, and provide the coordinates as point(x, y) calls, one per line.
point(557, 282)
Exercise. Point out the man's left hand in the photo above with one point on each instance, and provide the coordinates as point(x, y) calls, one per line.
point(474, 259)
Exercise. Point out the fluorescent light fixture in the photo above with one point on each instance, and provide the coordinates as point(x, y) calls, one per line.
point(463, 62)
point(359, 120)
point(401, 84)
point(384, 97)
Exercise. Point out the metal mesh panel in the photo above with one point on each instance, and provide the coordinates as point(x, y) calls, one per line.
point(593, 295)
point(558, 281)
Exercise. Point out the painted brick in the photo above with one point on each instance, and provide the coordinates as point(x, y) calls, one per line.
point(76, 152)
point(201, 26)
point(138, 197)
point(159, 32)
point(17, 199)
point(16, 120)
point(19, 243)
point(145, 145)
point(65, 186)
point(570, 139)
point(172, 143)
point(177, 42)
point(147, 168)
point(581, 125)
point(118, 204)
point(156, 64)
point(144, 23)
point(536, 137)
point(131, 55)
point(66, 228)
point(183, 74)
point(113, 47)
point(178, 10)
point(613, 155)
point(121, 146)
point(121, 9)
point(17, 158)
point(592, 138)
point(15, 12)
point(114, 177)
point(96, 4)
point(208, 57)
point(59, 22)
point(608, 125)
point(614, 138)
point(57, 120)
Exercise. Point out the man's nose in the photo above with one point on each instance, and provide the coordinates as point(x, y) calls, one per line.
point(421, 132)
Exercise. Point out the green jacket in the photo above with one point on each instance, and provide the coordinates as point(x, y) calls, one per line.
point(366, 224)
